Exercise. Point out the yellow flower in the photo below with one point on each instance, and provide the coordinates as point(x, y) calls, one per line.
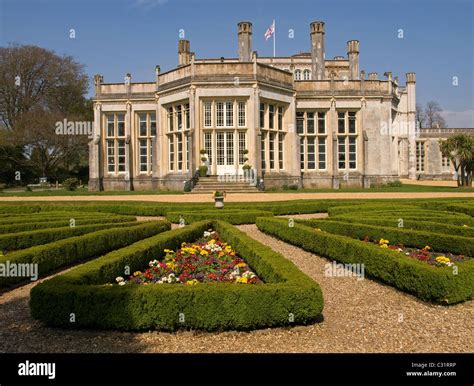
point(168, 251)
point(204, 252)
point(383, 246)
point(465, 226)
point(137, 273)
point(242, 280)
point(241, 265)
point(192, 282)
point(383, 242)
point(211, 241)
point(427, 247)
point(318, 230)
point(442, 259)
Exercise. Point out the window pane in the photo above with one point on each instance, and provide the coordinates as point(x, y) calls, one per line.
point(272, 150)
point(121, 125)
point(352, 153)
point(242, 147)
point(271, 116)
point(352, 122)
point(121, 155)
point(171, 152)
point(302, 153)
point(341, 150)
point(300, 122)
point(220, 149)
point(262, 144)
point(142, 124)
point(321, 123)
point(208, 146)
point(341, 123)
point(311, 153)
point(321, 153)
point(230, 148)
point(280, 118)
point(110, 125)
point(153, 124)
point(179, 116)
point(241, 114)
point(188, 118)
point(229, 114)
point(310, 123)
point(262, 115)
point(170, 119)
point(207, 114)
point(220, 114)
point(180, 151)
point(280, 150)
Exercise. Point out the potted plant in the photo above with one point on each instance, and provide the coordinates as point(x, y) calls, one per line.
point(203, 159)
point(202, 151)
point(202, 171)
point(219, 199)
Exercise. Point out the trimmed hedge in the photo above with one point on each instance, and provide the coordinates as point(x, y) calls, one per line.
point(61, 253)
point(429, 283)
point(58, 223)
point(429, 226)
point(22, 240)
point(210, 306)
point(230, 216)
point(53, 216)
point(410, 238)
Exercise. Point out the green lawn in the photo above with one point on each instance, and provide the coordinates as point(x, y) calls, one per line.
point(79, 192)
point(404, 188)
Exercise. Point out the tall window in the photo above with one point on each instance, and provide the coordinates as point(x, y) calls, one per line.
point(146, 133)
point(179, 124)
point(281, 137)
point(115, 142)
point(262, 115)
point(280, 117)
point(220, 114)
point(420, 156)
point(229, 114)
point(207, 114)
point(271, 151)
point(208, 146)
point(271, 116)
point(311, 126)
point(347, 140)
point(262, 152)
point(297, 74)
point(242, 146)
point(241, 108)
point(306, 75)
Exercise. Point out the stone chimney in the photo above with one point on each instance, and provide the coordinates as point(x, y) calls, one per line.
point(353, 55)
point(184, 52)
point(317, 49)
point(245, 41)
point(373, 76)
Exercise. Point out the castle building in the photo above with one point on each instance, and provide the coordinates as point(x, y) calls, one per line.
point(302, 120)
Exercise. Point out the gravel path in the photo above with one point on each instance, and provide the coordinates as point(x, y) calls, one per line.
point(359, 316)
point(246, 197)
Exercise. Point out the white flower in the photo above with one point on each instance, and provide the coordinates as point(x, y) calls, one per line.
point(121, 283)
point(119, 279)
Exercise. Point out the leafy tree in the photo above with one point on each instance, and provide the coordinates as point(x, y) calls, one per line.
point(460, 151)
point(37, 89)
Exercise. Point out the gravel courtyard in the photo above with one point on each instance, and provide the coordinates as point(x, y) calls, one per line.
point(359, 316)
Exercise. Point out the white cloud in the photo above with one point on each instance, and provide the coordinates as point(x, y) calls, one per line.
point(459, 119)
point(147, 4)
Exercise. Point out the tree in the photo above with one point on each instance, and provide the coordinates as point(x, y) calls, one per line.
point(37, 89)
point(420, 116)
point(433, 115)
point(460, 151)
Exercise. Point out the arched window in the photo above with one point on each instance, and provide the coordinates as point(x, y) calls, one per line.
point(297, 74)
point(306, 75)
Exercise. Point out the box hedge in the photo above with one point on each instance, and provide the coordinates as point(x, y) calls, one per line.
point(62, 253)
point(286, 297)
point(409, 238)
point(230, 216)
point(22, 240)
point(429, 226)
point(442, 285)
point(58, 223)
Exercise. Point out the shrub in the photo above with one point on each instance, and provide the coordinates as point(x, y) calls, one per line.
point(209, 306)
point(202, 171)
point(58, 254)
point(57, 223)
point(233, 217)
point(70, 184)
point(429, 283)
point(21, 240)
point(430, 226)
point(410, 238)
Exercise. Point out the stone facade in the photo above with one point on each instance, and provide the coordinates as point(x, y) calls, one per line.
point(302, 120)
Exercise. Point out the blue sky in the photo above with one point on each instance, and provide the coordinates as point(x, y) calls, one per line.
point(114, 37)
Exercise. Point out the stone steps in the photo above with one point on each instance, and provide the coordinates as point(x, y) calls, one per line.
point(212, 183)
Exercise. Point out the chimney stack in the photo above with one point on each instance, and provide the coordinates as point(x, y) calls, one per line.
point(245, 41)
point(353, 54)
point(373, 76)
point(317, 49)
point(184, 52)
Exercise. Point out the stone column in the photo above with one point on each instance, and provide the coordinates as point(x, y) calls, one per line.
point(128, 148)
point(95, 175)
point(411, 122)
point(254, 132)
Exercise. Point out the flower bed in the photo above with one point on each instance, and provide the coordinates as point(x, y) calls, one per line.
point(425, 254)
point(209, 259)
point(285, 297)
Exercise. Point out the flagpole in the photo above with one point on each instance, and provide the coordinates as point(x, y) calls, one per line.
point(274, 36)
